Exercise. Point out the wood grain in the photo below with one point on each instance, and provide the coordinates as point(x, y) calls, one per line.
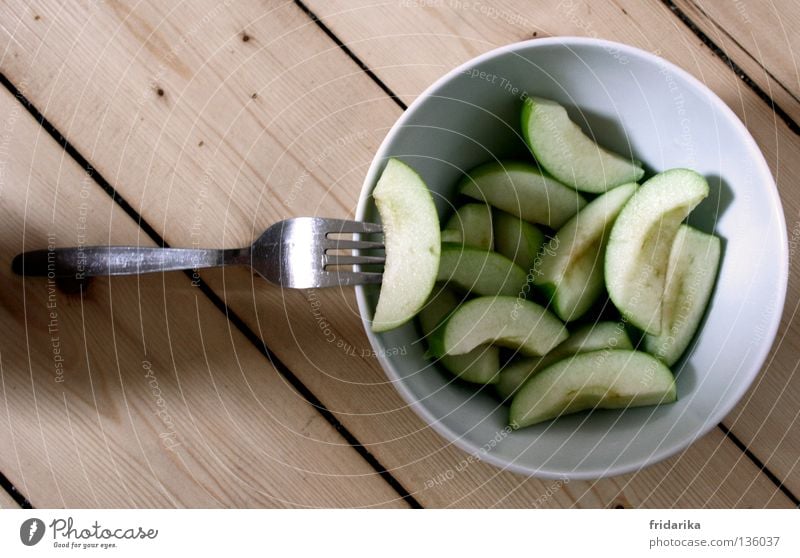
point(409, 44)
point(163, 104)
point(761, 37)
point(137, 393)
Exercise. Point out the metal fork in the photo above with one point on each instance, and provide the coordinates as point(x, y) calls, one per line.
point(295, 253)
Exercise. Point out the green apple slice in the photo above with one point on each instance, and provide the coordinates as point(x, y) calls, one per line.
point(500, 320)
point(639, 245)
point(480, 272)
point(473, 222)
point(481, 364)
point(594, 337)
point(571, 269)
point(522, 190)
point(516, 239)
point(691, 273)
point(568, 154)
point(452, 236)
point(599, 379)
point(411, 238)
point(590, 337)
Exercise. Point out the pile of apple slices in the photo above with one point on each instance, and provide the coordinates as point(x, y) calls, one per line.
point(538, 247)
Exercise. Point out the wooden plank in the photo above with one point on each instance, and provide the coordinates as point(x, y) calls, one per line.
point(396, 37)
point(300, 147)
point(138, 393)
point(7, 502)
point(761, 37)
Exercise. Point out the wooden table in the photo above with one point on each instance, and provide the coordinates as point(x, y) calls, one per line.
point(199, 124)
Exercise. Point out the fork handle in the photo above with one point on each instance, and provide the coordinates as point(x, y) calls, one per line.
point(89, 261)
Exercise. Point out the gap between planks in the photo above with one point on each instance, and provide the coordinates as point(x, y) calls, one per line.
point(13, 493)
point(354, 59)
point(230, 315)
point(735, 68)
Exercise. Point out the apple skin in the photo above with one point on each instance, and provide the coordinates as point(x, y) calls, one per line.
point(451, 236)
point(522, 189)
point(605, 379)
point(412, 242)
point(516, 239)
point(571, 270)
point(590, 337)
point(473, 223)
point(506, 321)
point(479, 271)
point(568, 154)
point(479, 366)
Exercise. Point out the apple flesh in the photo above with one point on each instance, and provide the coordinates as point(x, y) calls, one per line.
point(522, 190)
point(568, 154)
point(481, 364)
point(412, 243)
point(599, 379)
point(506, 321)
point(591, 337)
point(691, 273)
point(639, 245)
point(571, 270)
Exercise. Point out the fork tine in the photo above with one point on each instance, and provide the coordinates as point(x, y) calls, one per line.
point(347, 278)
point(336, 226)
point(343, 244)
point(334, 259)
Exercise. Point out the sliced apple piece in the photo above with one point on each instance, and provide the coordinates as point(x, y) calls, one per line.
point(452, 236)
point(522, 190)
point(480, 272)
point(474, 223)
point(594, 337)
point(568, 154)
point(691, 274)
point(500, 320)
point(481, 364)
point(571, 269)
point(516, 239)
point(411, 239)
point(639, 245)
point(598, 379)
point(590, 337)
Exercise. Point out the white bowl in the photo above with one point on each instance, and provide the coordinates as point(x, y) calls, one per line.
point(632, 101)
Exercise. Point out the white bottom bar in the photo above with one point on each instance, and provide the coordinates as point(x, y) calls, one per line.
point(399, 533)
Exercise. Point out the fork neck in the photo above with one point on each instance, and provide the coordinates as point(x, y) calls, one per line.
point(205, 257)
point(234, 256)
